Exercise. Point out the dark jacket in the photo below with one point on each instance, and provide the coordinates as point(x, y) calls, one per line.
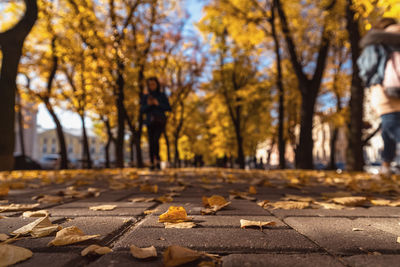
point(154, 112)
point(377, 46)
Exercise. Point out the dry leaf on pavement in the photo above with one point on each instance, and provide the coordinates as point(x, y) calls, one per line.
point(174, 215)
point(252, 190)
point(243, 195)
point(164, 199)
point(39, 213)
point(176, 255)
point(289, 197)
point(4, 189)
point(48, 199)
point(95, 249)
point(142, 199)
point(103, 207)
point(206, 264)
point(182, 225)
point(18, 207)
point(263, 203)
point(330, 206)
point(147, 212)
point(10, 254)
point(398, 239)
point(3, 237)
point(70, 235)
point(350, 201)
point(357, 229)
point(246, 223)
point(143, 253)
point(214, 204)
point(289, 205)
point(336, 194)
point(149, 188)
point(39, 228)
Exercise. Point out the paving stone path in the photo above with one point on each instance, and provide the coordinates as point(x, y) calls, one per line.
point(306, 237)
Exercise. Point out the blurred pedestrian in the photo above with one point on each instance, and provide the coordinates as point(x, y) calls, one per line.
point(379, 66)
point(154, 104)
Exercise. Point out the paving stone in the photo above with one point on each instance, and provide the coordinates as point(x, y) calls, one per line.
point(48, 259)
point(373, 260)
point(125, 259)
point(347, 212)
point(219, 240)
point(82, 209)
point(337, 235)
point(236, 208)
point(102, 226)
point(212, 221)
point(279, 260)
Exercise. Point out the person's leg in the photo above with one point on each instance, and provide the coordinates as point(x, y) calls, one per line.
point(157, 136)
point(390, 135)
point(150, 131)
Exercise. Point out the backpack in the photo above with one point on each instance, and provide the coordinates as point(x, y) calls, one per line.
point(391, 80)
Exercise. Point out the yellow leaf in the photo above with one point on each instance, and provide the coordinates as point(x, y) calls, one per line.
point(95, 249)
point(174, 215)
point(182, 225)
point(252, 190)
point(288, 205)
point(165, 199)
point(39, 228)
point(330, 206)
point(246, 223)
point(143, 253)
point(215, 203)
point(17, 207)
point(176, 255)
point(103, 207)
point(50, 199)
point(350, 201)
point(142, 199)
point(39, 213)
point(149, 188)
point(70, 235)
point(10, 254)
point(4, 189)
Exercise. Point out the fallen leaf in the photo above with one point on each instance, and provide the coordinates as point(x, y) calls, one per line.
point(174, 215)
point(246, 223)
point(243, 195)
point(17, 207)
point(4, 189)
point(70, 235)
point(103, 207)
point(182, 225)
point(206, 264)
point(252, 190)
point(10, 254)
point(48, 199)
point(164, 199)
point(39, 228)
point(350, 201)
point(176, 255)
point(95, 249)
point(395, 203)
point(357, 229)
point(3, 217)
point(210, 187)
point(336, 194)
point(380, 202)
point(176, 188)
point(142, 199)
point(398, 239)
point(143, 253)
point(289, 197)
point(263, 203)
point(149, 188)
point(330, 206)
point(3, 237)
point(147, 212)
point(39, 213)
point(288, 205)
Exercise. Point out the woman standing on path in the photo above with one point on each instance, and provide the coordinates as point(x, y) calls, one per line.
point(154, 104)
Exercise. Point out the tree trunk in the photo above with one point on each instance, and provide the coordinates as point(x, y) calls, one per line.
point(177, 162)
point(110, 139)
point(281, 116)
point(168, 146)
point(131, 148)
point(60, 134)
point(119, 150)
point(11, 43)
point(20, 125)
point(239, 137)
point(86, 150)
point(304, 151)
point(355, 156)
point(269, 152)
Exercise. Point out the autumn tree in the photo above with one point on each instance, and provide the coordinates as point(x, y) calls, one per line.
point(11, 43)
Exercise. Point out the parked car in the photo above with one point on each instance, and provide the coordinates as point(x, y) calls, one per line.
point(25, 163)
point(51, 161)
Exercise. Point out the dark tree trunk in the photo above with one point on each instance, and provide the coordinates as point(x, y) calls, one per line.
point(60, 135)
point(119, 150)
point(139, 157)
point(355, 156)
point(239, 137)
point(86, 149)
point(269, 152)
point(168, 146)
point(20, 119)
point(11, 43)
point(177, 161)
point(281, 116)
point(110, 139)
point(131, 149)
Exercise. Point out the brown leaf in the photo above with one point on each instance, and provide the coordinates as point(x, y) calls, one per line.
point(39, 228)
point(263, 203)
point(4, 189)
point(142, 199)
point(38, 213)
point(70, 235)
point(143, 253)
point(48, 199)
point(3, 237)
point(206, 264)
point(176, 255)
point(246, 223)
point(288, 205)
point(336, 194)
point(147, 212)
point(182, 225)
point(330, 206)
point(243, 195)
point(215, 203)
point(149, 188)
point(95, 249)
point(103, 207)
point(252, 190)
point(164, 199)
point(10, 254)
point(174, 215)
point(17, 207)
point(289, 197)
point(350, 201)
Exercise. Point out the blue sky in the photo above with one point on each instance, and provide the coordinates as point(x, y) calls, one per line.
point(72, 120)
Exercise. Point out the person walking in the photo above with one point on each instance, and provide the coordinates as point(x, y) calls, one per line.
point(154, 103)
point(379, 66)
